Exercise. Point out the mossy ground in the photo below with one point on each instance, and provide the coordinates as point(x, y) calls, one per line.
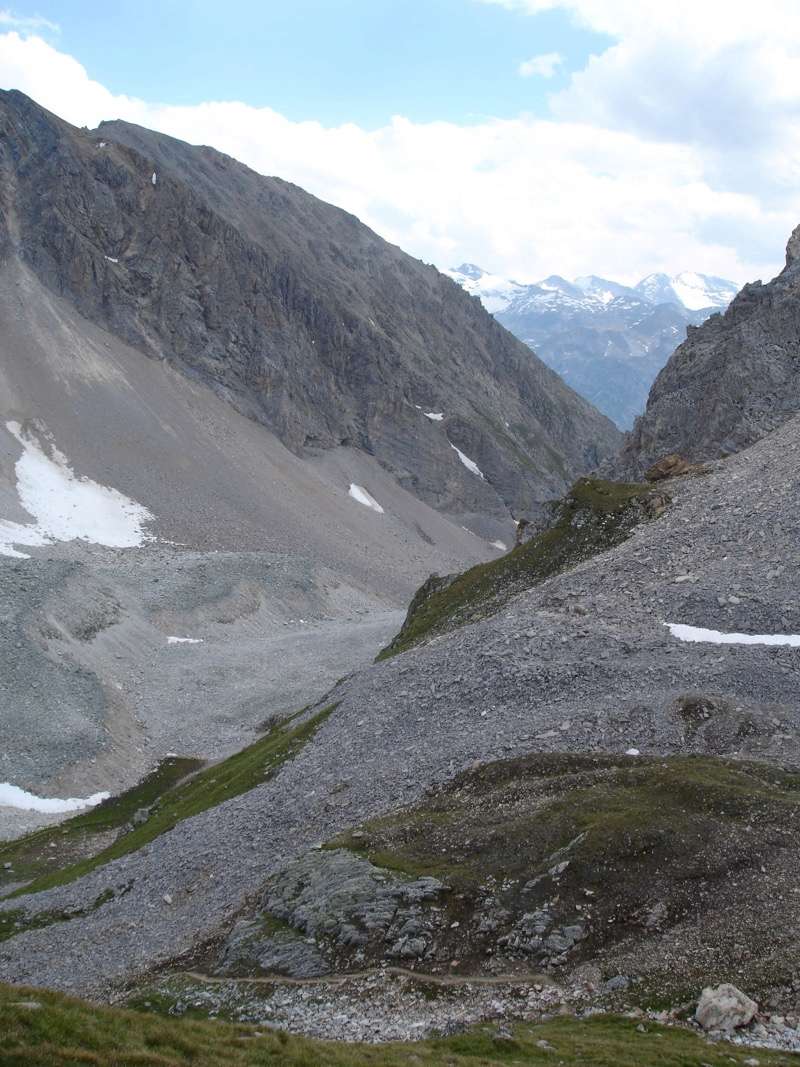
point(45, 1029)
point(593, 517)
point(541, 803)
point(207, 789)
point(632, 835)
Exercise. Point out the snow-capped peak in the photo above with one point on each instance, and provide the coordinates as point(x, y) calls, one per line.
point(602, 289)
point(689, 289)
point(495, 291)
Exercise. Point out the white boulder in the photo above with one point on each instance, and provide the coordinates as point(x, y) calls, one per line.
point(724, 1008)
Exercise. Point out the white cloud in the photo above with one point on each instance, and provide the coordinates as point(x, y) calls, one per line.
point(526, 197)
point(26, 23)
point(542, 66)
point(722, 77)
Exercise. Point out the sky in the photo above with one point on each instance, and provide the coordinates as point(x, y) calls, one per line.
point(614, 137)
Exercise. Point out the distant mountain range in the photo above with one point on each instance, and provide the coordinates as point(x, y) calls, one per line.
point(607, 340)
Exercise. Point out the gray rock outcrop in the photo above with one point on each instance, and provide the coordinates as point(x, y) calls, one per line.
point(734, 380)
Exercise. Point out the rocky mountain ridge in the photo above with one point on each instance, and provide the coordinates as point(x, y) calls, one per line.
point(732, 381)
point(570, 784)
point(290, 309)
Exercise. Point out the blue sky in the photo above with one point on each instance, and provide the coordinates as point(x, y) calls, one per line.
point(610, 137)
point(331, 60)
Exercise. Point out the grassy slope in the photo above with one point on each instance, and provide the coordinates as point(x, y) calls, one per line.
point(207, 789)
point(593, 517)
point(514, 814)
point(62, 1032)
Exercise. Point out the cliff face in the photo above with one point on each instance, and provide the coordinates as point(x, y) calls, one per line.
point(291, 309)
point(734, 380)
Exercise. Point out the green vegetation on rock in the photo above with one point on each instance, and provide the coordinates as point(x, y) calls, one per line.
point(45, 1029)
point(594, 516)
point(210, 787)
point(560, 859)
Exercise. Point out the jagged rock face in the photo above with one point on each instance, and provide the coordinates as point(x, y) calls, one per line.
point(290, 308)
point(734, 379)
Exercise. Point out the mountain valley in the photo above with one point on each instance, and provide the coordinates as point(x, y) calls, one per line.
point(367, 696)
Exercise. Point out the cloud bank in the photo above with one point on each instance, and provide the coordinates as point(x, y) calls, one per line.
point(678, 147)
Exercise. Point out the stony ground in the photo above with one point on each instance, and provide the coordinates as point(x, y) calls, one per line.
point(96, 693)
point(583, 662)
point(381, 1006)
point(386, 1006)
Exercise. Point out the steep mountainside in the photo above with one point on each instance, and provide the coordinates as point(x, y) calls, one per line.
point(292, 310)
point(237, 429)
point(732, 381)
point(608, 341)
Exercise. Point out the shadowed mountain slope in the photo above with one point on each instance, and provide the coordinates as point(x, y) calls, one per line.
point(291, 309)
point(732, 381)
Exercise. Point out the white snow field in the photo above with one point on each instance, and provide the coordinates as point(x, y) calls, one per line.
point(359, 493)
point(716, 637)
point(11, 796)
point(66, 507)
point(470, 464)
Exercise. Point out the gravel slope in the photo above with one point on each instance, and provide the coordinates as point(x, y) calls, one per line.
point(246, 541)
point(582, 662)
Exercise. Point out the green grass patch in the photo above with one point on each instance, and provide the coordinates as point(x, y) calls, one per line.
point(509, 818)
point(53, 847)
point(210, 787)
point(593, 517)
point(45, 1029)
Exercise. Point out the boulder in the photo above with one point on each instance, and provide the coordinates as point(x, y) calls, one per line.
point(670, 466)
point(724, 1008)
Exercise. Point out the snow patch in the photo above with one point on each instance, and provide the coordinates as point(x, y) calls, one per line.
point(11, 796)
point(716, 637)
point(111, 259)
point(66, 507)
point(632, 752)
point(434, 416)
point(184, 640)
point(154, 178)
point(470, 464)
point(359, 493)
point(501, 545)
